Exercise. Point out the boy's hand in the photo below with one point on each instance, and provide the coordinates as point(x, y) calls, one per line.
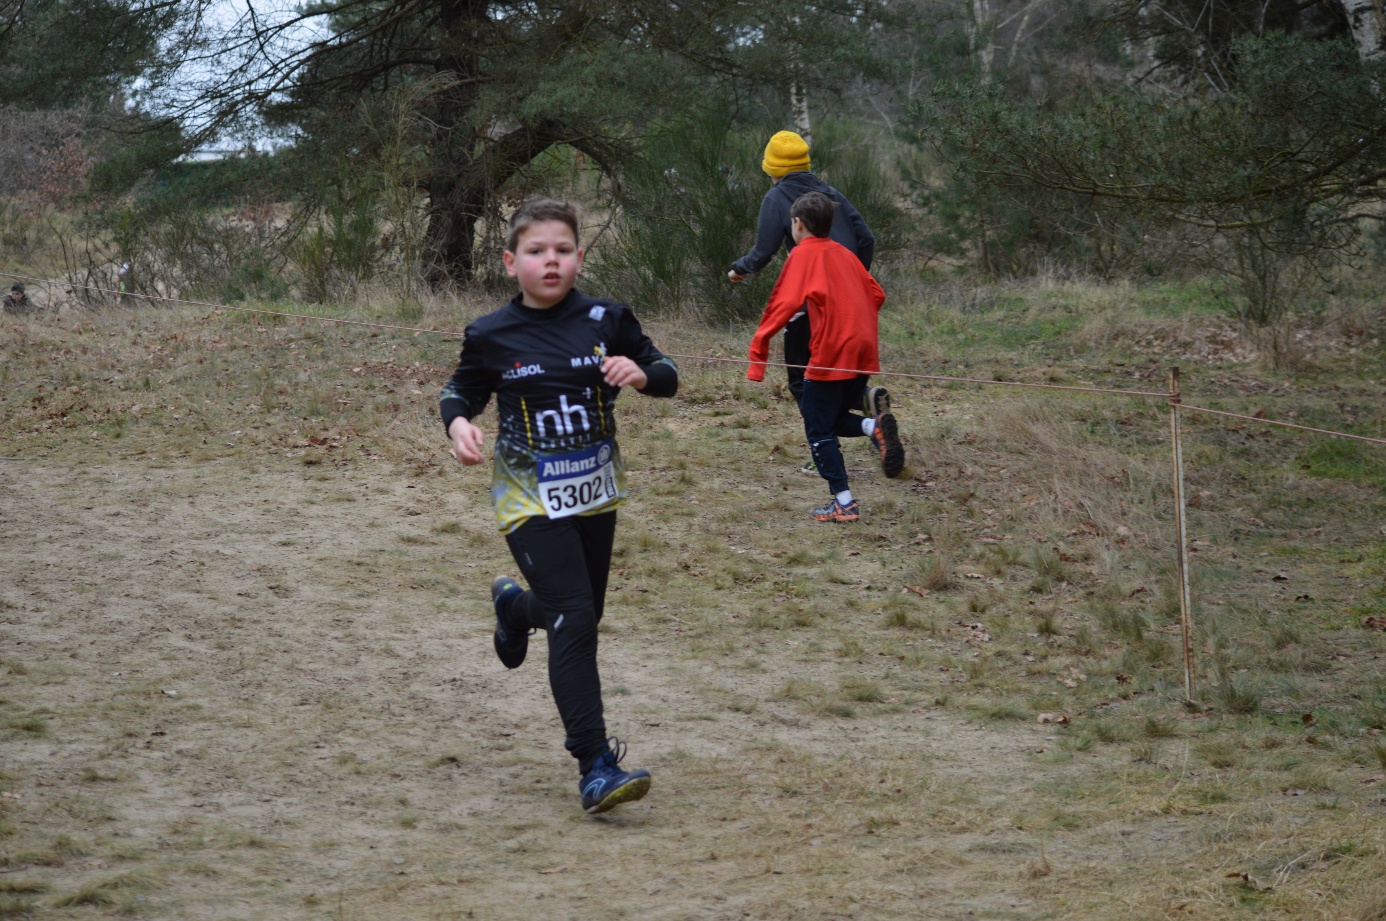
point(620, 371)
point(733, 277)
point(466, 442)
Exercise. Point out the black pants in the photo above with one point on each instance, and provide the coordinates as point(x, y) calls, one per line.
point(797, 336)
point(827, 410)
point(566, 562)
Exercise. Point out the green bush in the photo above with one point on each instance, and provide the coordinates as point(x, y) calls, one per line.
point(186, 252)
point(685, 210)
point(857, 162)
point(339, 249)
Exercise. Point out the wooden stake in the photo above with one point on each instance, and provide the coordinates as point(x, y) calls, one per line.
point(1182, 541)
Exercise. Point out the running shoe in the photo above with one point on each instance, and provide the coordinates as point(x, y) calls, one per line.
point(511, 644)
point(886, 438)
point(836, 511)
point(876, 402)
point(605, 785)
point(809, 468)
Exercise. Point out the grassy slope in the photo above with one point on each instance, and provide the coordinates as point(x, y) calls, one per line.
point(1024, 569)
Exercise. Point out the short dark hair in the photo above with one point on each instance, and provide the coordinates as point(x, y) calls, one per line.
point(816, 211)
point(536, 210)
point(17, 286)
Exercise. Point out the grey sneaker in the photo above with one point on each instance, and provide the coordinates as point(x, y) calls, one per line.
point(876, 402)
point(809, 468)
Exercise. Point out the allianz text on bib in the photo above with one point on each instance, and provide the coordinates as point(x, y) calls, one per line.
point(579, 481)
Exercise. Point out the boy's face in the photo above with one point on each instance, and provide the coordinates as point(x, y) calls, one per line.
point(546, 262)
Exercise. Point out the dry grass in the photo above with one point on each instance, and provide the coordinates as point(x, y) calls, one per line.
point(259, 516)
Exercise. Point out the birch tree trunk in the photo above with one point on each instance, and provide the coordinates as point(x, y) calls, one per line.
point(1368, 26)
point(979, 34)
point(798, 97)
point(798, 104)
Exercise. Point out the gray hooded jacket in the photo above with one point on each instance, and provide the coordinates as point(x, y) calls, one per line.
point(773, 227)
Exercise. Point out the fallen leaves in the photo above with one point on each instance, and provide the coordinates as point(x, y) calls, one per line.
point(1250, 882)
point(1052, 719)
point(1374, 623)
point(977, 633)
point(1073, 678)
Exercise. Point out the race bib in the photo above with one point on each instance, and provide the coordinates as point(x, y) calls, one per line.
point(577, 482)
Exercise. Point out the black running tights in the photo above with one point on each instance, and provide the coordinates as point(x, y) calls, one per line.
point(796, 354)
point(827, 410)
point(566, 562)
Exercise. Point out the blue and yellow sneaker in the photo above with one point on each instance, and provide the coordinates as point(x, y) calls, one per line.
point(511, 644)
point(605, 785)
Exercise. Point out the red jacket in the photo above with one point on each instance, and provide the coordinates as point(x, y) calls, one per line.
point(843, 300)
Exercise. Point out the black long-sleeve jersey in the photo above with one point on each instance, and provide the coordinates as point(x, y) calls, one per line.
point(555, 452)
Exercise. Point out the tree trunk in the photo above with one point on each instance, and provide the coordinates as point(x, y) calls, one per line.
point(1368, 26)
point(798, 103)
point(458, 198)
point(979, 34)
point(453, 211)
point(454, 203)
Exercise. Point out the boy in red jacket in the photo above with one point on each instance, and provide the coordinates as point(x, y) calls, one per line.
point(842, 300)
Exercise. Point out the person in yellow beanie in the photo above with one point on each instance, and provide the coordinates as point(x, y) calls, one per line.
point(787, 163)
point(786, 153)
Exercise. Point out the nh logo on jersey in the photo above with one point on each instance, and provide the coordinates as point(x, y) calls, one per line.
point(598, 353)
point(520, 371)
point(562, 419)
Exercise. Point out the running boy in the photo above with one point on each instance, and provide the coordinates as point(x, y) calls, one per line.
point(842, 300)
point(556, 360)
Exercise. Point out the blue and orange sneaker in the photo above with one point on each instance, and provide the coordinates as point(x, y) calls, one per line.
point(511, 644)
point(605, 785)
point(836, 511)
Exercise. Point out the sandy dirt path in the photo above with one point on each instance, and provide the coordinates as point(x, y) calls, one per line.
point(272, 695)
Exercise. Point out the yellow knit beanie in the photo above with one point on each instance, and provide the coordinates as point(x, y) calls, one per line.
point(786, 153)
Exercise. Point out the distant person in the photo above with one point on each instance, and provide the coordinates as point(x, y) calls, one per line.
point(17, 301)
point(787, 163)
point(842, 301)
point(556, 359)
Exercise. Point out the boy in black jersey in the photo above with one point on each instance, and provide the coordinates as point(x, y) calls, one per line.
point(556, 360)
